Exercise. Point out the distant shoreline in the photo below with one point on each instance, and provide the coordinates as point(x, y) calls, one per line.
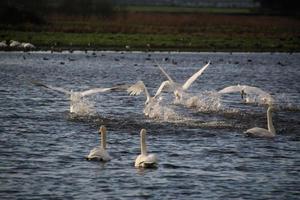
point(137, 49)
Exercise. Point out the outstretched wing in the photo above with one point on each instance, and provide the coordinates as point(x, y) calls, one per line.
point(247, 89)
point(189, 82)
point(165, 73)
point(120, 87)
point(231, 89)
point(163, 85)
point(62, 90)
point(138, 88)
point(94, 91)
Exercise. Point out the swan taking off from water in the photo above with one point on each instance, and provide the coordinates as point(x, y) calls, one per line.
point(144, 160)
point(261, 132)
point(177, 88)
point(138, 88)
point(76, 97)
point(245, 89)
point(99, 153)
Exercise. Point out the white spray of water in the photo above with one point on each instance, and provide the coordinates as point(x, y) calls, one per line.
point(81, 106)
point(156, 110)
point(207, 101)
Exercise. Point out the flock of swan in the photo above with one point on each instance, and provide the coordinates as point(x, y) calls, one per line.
point(145, 160)
point(16, 44)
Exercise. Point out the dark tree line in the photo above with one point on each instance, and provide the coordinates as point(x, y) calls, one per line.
point(34, 11)
point(287, 7)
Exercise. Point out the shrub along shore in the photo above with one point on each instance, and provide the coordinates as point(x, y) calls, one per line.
point(152, 31)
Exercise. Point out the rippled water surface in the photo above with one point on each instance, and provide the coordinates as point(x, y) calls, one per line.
point(202, 151)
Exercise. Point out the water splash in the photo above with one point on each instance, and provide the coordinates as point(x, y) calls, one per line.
point(82, 107)
point(207, 101)
point(286, 102)
point(157, 110)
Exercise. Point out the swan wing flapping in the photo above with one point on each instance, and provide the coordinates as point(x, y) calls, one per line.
point(162, 87)
point(138, 88)
point(94, 90)
point(189, 82)
point(246, 88)
point(62, 90)
point(165, 73)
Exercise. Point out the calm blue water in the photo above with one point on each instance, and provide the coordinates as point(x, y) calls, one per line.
point(202, 152)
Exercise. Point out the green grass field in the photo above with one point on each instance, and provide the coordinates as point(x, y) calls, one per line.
point(105, 41)
point(171, 29)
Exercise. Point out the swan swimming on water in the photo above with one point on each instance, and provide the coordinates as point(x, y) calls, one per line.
point(261, 132)
point(145, 160)
point(245, 89)
point(99, 153)
point(178, 88)
point(76, 97)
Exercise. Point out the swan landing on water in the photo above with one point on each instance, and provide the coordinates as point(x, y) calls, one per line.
point(265, 97)
point(138, 88)
point(99, 153)
point(144, 160)
point(76, 97)
point(177, 88)
point(261, 132)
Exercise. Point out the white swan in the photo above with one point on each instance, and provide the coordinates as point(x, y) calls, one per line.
point(14, 43)
point(138, 88)
point(3, 44)
point(144, 160)
point(261, 132)
point(177, 88)
point(76, 97)
point(100, 153)
point(245, 89)
point(26, 45)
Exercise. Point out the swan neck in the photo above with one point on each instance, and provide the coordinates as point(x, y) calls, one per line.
point(270, 121)
point(103, 139)
point(143, 144)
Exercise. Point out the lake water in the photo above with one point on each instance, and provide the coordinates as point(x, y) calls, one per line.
point(202, 151)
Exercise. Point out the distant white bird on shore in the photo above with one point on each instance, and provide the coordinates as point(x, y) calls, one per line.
point(27, 45)
point(76, 97)
point(99, 153)
point(261, 132)
point(3, 44)
point(245, 89)
point(177, 88)
point(145, 160)
point(14, 43)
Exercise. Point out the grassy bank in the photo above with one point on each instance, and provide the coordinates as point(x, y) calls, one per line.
point(162, 31)
point(143, 42)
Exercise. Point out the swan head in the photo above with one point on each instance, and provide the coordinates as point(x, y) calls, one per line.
point(102, 129)
point(143, 132)
point(271, 109)
point(243, 94)
point(177, 94)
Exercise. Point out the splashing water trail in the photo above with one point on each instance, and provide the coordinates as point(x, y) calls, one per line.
point(205, 101)
point(82, 107)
